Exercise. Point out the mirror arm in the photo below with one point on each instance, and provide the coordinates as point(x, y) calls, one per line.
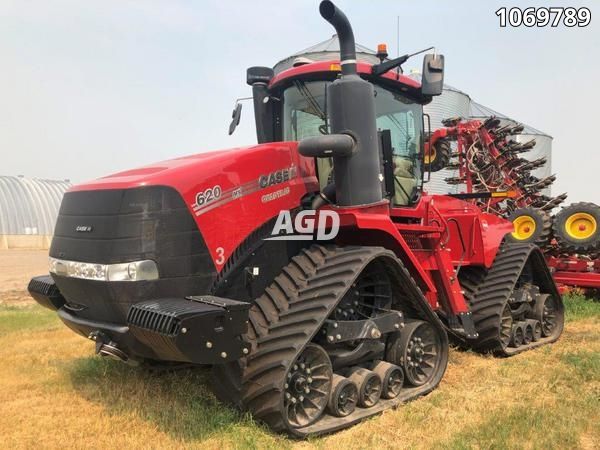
point(380, 69)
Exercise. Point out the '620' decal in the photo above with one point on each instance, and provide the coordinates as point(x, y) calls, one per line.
point(208, 195)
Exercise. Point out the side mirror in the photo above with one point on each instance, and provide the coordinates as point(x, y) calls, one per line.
point(432, 82)
point(235, 118)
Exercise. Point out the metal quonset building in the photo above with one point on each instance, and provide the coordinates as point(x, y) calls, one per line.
point(28, 211)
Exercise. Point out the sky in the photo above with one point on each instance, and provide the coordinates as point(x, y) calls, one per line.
point(89, 88)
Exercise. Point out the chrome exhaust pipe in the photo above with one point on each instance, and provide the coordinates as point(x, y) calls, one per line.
point(107, 348)
point(111, 351)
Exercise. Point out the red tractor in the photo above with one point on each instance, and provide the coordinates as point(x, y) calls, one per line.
point(197, 261)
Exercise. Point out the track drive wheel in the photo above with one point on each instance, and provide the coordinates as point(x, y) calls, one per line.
point(418, 349)
point(308, 386)
point(531, 226)
point(577, 227)
point(438, 156)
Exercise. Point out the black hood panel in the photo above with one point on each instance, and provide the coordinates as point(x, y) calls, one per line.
point(124, 225)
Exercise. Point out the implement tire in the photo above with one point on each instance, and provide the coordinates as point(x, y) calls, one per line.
point(577, 228)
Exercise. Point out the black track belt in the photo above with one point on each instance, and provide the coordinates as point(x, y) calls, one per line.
point(286, 318)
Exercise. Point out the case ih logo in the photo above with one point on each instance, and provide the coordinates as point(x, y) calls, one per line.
point(83, 228)
point(277, 177)
point(325, 224)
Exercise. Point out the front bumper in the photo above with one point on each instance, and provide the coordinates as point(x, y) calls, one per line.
point(195, 329)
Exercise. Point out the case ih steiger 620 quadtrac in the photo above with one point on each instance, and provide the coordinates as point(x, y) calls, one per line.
point(176, 262)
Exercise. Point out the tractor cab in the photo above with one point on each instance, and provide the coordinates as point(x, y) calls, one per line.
point(292, 106)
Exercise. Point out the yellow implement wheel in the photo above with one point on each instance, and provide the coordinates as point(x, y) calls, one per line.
point(577, 228)
point(524, 227)
point(430, 155)
point(581, 225)
point(530, 226)
point(438, 155)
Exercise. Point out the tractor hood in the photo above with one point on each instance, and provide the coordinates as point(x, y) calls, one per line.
point(227, 193)
point(187, 172)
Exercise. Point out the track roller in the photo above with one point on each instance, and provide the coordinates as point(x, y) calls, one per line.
point(516, 339)
point(343, 398)
point(527, 332)
point(537, 329)
point(392, 378)
point(369, 386)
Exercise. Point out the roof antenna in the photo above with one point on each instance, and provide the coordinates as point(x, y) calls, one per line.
point(398, 45)
point(397, 36)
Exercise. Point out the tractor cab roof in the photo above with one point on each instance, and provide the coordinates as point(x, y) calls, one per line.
point(330, 70)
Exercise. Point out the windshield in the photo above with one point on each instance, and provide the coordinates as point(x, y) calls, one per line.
point(305, 115)
point(304, 110)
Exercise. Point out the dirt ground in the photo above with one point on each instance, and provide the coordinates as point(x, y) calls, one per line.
point(16, 269)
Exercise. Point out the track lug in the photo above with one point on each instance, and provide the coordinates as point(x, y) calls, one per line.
point(468, 325)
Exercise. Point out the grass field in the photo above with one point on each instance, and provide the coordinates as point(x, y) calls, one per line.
point(55, 393)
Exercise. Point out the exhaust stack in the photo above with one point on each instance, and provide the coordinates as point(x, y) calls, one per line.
point(351, 110)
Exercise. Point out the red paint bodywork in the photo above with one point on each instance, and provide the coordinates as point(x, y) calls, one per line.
point(575, 271)
point(437, 235)
point(449, 232)
point(323, 67)
point(230, 220)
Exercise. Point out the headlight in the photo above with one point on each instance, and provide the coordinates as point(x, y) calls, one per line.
point(132, 271)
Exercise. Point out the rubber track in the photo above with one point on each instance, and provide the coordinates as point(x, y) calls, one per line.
point(282, 321)
point(492, 294)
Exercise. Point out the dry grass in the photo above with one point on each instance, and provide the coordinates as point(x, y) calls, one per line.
point(55, 393)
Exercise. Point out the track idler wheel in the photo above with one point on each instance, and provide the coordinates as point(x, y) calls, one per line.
point(418, 349)
point(343, 398)
point(369, 386)
point(308, 386)
point(392, 378)
point(516, 339)
point(548, 313)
